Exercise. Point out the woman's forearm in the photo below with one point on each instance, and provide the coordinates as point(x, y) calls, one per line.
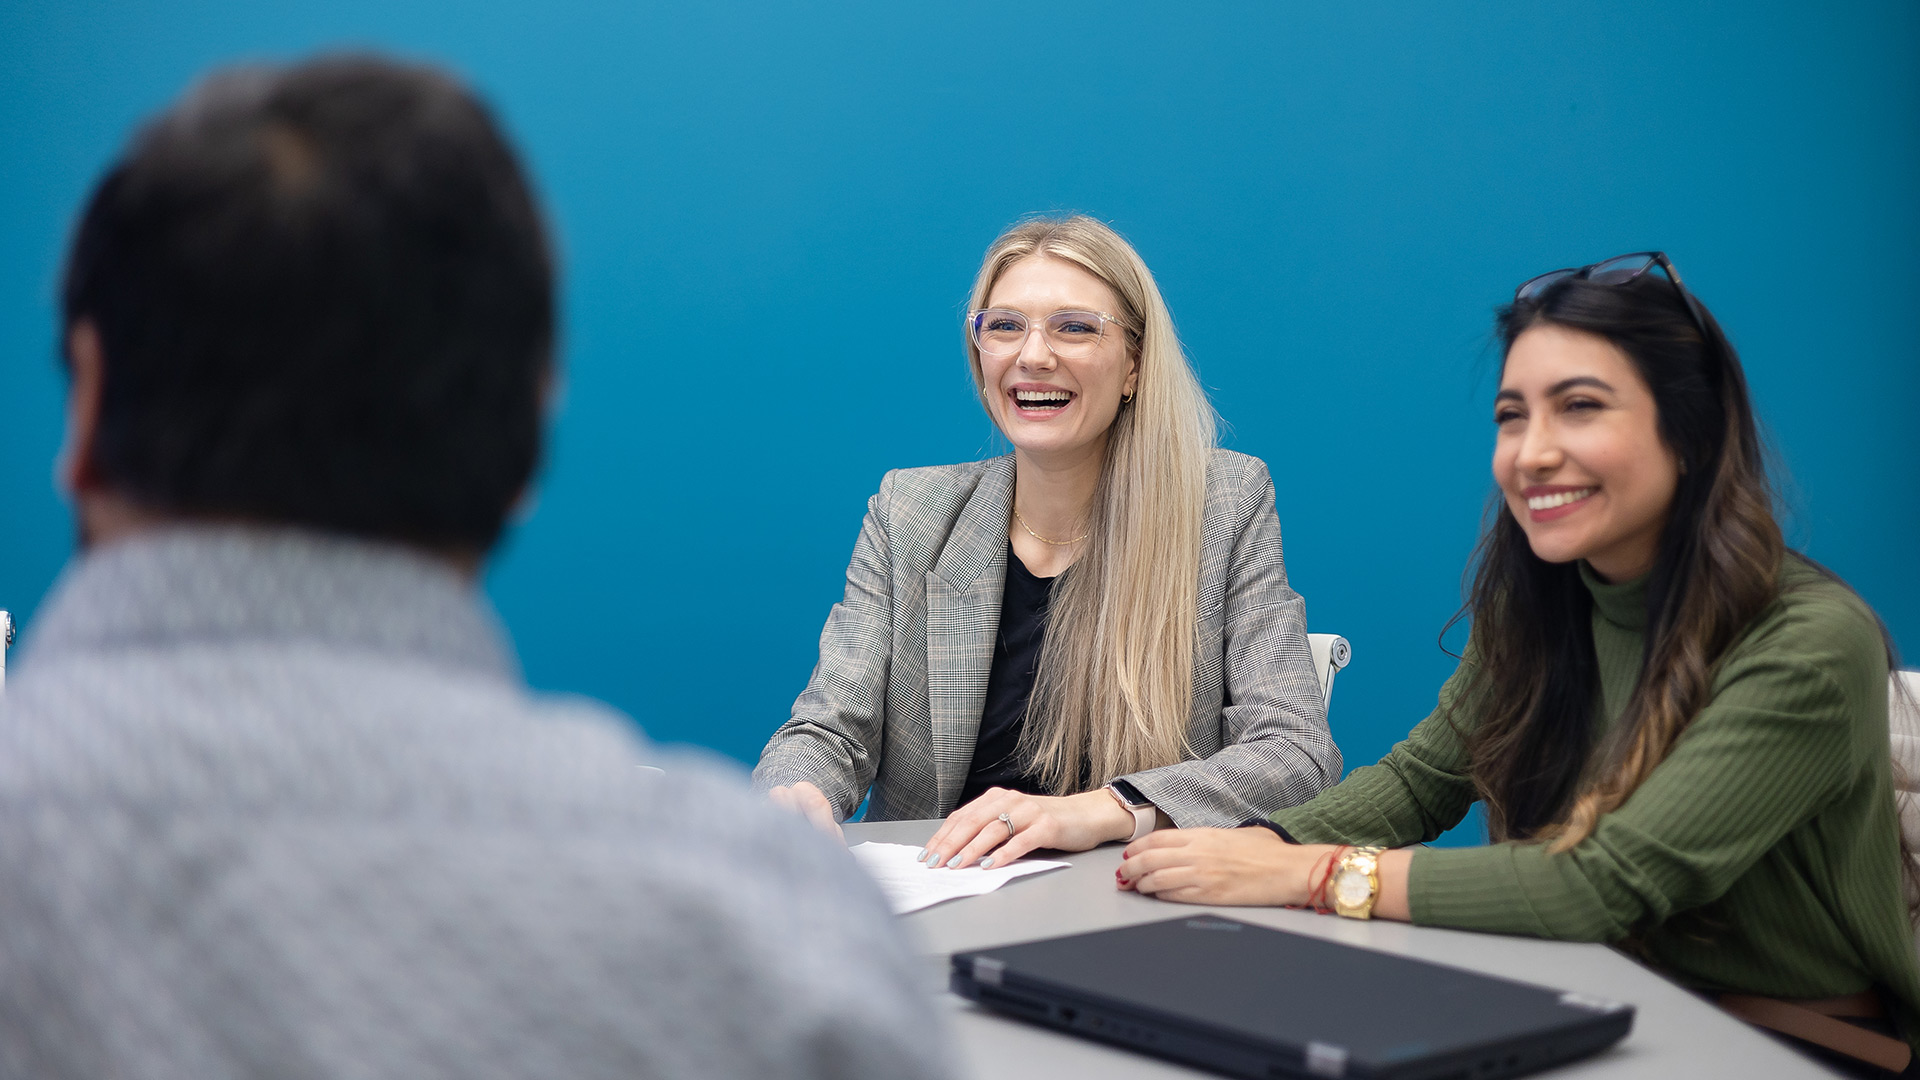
point(1393, 902)
point(1250, 866)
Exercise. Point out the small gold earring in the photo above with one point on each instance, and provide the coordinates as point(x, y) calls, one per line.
point(1126, 399)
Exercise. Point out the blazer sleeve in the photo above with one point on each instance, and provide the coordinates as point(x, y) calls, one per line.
point(833, 737)
point(1276, 750)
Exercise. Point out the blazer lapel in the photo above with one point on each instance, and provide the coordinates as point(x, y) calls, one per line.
point(963, 615)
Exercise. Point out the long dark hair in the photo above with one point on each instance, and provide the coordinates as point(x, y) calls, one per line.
point(1534, 675)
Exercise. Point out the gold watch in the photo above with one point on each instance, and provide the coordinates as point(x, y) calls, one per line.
point(1356, 883)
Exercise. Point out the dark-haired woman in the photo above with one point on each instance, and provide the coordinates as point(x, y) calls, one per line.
point(1677, 726)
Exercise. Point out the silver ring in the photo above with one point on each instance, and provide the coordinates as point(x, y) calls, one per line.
point(1007, 820)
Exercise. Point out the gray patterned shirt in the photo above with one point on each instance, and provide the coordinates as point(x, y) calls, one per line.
point(279, 805)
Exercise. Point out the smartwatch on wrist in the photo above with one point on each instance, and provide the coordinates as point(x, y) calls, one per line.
point(1143, 811)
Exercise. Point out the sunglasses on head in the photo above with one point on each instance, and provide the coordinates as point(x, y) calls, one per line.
point(1618, 271)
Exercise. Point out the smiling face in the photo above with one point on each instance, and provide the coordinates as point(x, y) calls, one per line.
point(1579, 456)
point(1048, 407)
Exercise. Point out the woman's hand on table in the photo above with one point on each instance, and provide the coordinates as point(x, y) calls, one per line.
point(1246, 867)
point(1220, 866)
point(975, 833)
point(809, 802)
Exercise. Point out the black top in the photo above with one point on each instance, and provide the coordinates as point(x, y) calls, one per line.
point(1016, 656)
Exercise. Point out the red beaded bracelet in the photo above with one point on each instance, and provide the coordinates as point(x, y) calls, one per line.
point(1317, 895)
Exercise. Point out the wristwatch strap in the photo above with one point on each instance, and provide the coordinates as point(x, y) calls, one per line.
point(1144, 815)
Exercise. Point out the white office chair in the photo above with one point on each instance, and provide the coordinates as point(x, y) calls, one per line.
point(6, 642)
point(1330, 653)
point(1903, 728)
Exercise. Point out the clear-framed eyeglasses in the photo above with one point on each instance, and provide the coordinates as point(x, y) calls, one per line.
point(1070, 335)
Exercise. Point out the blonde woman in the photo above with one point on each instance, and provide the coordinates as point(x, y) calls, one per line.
point(1083, 640)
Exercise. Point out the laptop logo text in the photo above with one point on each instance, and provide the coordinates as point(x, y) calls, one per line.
point(1211, 924)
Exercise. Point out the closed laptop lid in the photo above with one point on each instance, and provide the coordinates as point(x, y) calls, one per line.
point(1257, 985)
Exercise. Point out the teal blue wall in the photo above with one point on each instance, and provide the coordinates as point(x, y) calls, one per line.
point(769, 215)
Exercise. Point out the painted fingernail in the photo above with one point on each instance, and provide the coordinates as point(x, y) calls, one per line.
point(953, 862)
point(933, 859)
point(922, 856)
point(986, 863)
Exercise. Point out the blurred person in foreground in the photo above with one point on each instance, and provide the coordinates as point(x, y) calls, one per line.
point(274, 799)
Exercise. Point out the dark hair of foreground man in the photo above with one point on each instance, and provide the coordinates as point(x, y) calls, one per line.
point(326, 299)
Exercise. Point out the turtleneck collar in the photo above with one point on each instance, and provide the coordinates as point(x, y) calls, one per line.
point(1624, 605)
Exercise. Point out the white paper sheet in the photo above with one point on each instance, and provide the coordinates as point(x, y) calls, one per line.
point(910, 885)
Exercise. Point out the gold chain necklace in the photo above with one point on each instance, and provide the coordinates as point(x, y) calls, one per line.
point(1042, 539)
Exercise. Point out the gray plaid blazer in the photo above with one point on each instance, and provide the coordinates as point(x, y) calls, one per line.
point(894, 704)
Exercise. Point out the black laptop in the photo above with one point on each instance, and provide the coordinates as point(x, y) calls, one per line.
point(1251, 1001)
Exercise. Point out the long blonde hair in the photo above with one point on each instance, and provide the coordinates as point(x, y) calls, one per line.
point(1114, 690)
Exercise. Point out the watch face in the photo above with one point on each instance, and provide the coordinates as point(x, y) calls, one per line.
point(1130, 794)
point(1351, 888)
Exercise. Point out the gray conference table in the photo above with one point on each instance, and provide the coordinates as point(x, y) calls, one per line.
point(1674, 1033)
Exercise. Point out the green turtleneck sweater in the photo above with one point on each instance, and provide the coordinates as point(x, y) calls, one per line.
point(1762, 856)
